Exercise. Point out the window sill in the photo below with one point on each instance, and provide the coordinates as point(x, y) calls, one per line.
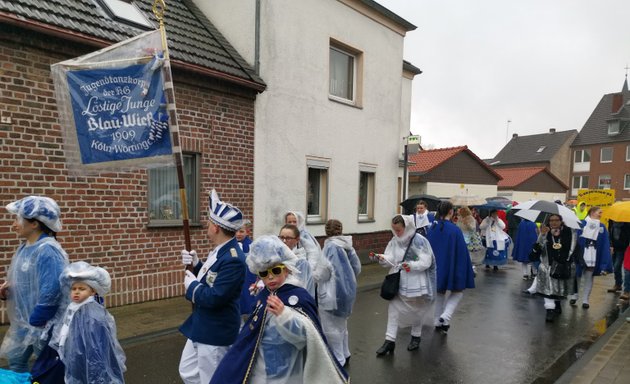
point(349, 103)
point(172, 224)
point(361, 221)
point(316, 222)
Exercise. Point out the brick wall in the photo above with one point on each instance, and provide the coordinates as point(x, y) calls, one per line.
point(364, 243)
point(105, 217)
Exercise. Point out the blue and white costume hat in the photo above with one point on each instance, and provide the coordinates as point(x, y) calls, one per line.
point(268, 251)
point(80, 271)
point(224, 214)
point(41, 208)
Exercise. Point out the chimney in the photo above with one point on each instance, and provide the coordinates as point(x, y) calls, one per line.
point(514, 135)
point(552, 130)
point(617, 102)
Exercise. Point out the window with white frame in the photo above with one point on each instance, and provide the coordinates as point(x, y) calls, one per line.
point(579, 182)
point(582, 160)
point(613, 127)
point(626, 181)
point(345, 73)
point(604, 182)
point(628, 153)
point(127, 12)
point(582, 156)
point(165, 207)
point(317, 190)
point(606, 155)
point(366, 192)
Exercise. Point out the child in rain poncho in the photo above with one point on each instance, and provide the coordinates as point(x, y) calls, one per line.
point(282, 341)
point(86, 341)
point(32, 282)
point(337, 298)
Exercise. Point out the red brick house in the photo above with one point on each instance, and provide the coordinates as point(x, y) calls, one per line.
point(601, 151)
point(117, 220)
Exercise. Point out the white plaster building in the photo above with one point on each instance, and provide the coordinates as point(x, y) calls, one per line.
point(330, 125)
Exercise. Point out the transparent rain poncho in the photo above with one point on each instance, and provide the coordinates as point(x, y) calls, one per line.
point(34, 293)
point(320, 267)
point(86, 338)
point(339, 296)
point(420, 279)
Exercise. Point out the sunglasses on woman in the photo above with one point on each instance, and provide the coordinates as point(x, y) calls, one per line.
point(275, 271)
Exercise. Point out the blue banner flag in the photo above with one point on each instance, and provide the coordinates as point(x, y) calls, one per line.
point(113, 107)
point(120, 113)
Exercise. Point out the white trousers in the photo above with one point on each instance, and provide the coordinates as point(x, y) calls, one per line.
point(199, 361)
point(404, 312)
point(336, 330)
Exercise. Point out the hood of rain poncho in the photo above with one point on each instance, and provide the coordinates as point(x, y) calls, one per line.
point(80, 271)
point(308, 241)
point(412, 284)
point(320, 267)
point(580, 213)
point(410, 230)
point(338, 294)
point(33, 278)
point(268, 251)
point(90, 349)
point(41, 208)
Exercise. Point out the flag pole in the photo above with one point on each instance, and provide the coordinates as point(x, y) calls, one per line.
point(159, 7)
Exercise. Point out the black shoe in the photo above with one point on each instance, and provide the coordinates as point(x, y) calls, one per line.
point(558, 308)
point(487, 266)
point(551, 314)
point(443, 329)
point(572, 302)
point(414, 343)
point(585, 305)
point(387, 347)
point(495, 268)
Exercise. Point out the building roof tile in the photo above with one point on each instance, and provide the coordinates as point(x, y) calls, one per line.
point(427, 160)
point(513, 177)
point(192, 39)
point(595, 130)
point(529, 149)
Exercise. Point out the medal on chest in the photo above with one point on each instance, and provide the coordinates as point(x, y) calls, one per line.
point(556, 244)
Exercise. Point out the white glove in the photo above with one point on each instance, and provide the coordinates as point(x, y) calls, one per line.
point(190, 257)
point(189, 278)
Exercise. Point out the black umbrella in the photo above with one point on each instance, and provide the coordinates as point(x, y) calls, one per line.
point(539, 210)
point(409, 205)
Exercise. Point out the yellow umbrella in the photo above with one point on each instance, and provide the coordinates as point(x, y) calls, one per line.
point(619, 212)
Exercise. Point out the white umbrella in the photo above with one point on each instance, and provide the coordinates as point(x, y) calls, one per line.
point(539, 210)
point(467, 200)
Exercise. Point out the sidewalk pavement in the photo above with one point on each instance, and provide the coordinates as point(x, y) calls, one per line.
point(607, 361)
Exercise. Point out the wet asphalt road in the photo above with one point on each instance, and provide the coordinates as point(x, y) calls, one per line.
point(498, 335)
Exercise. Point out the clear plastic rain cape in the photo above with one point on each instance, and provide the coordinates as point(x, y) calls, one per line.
point(113, 108)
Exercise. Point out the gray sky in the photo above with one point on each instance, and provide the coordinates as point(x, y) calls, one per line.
point(541, 64)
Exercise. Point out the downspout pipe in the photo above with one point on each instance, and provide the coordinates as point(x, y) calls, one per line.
point(257, 39)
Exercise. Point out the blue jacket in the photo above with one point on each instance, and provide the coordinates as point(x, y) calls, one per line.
point(216, 317)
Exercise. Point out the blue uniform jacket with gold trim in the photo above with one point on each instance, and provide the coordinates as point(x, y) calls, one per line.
point(216, 316)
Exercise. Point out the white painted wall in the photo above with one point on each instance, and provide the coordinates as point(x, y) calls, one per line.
point(522, 196)
point(295, 118)
point(452, 189)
